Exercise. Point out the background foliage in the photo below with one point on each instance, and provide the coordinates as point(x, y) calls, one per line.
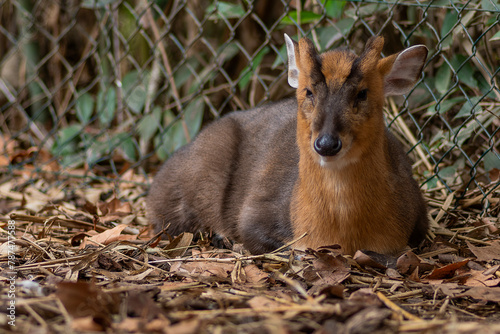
point(99, 87)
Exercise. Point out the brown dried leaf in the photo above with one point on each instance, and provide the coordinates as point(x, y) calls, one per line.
point(180, 244)
point(409, 261)
point(157, 325)
point(374, 260)
point(329, 268)
point(483, 293)
point(365, 296)
point(83, 299)
point(260, 302)
point(178, 286)
point(219, 270)
point(494, 174)
point(447, 271)
point(367, 321)
point(486, 253)
point(107, 237)
point(140, 304)
point(115, 205)
point(335, 291)
point(191, 326)
point(479, 278)
point(254, 274)
point(86, 324)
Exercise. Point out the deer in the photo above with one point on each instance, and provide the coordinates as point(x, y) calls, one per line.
point(322, 165)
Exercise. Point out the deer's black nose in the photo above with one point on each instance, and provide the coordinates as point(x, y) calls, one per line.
point(327, 145)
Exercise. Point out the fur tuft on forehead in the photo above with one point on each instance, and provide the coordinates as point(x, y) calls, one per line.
point(337, 66)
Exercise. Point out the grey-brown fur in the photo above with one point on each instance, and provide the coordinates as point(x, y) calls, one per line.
point(227, 179)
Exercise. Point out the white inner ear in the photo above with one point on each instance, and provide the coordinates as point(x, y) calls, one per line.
point(405, 71)
point(293, 70)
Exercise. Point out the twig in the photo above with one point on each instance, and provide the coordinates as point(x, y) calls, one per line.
point(407, 294)
point(288, 244)
point(35, 315)
point(396, 308)
point(51, 263)
point(438, 252)
point(328, 309)
point(463, 237)
point(70, 223)
point(226, 260)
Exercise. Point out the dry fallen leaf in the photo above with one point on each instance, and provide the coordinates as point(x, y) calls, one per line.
point(218, 270)
point(260, 302)
point(486, 253)
point(254, 275)
point(479, 278)
point(86, 324)
point(329, 268)
point(483, 293)
point(447, 271)
point(107, 237)
point(83, 299)
point(374, 260)
point(179, 245)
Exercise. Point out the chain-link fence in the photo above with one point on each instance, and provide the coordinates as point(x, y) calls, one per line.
point(95, 88)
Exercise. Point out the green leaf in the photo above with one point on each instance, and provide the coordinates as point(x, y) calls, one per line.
point(247, 72)
point(193, 115)
point(305, 17)
point(490, 5)
point(430, 183)
point(67, 140)
point(225, 10)
point(495, 37)
point(466, 72)
point(93, 4)
point(448, 173)
point(84, 108)
point(470, 107)
point(365, 10)
point(227, 52)
point(491, 161)
point(106, 106)
point(334, 8)
point(172, 139)
point(471, 128)
point(443, 77)
point(328, 36)
point(445, 105)
point(449, 22)
point(281, 57)
point(134, 90)
point(148, 125)
point(185, 72)
point(128, 147)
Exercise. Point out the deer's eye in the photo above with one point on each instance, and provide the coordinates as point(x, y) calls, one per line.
point(309, 94)
point(362, 95)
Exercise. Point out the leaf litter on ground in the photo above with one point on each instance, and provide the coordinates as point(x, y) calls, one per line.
point(86, 260)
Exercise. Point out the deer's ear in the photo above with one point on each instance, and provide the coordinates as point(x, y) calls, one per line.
point(402, 70)
point(293, 69)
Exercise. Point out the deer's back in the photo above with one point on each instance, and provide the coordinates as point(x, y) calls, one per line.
point(236, 177)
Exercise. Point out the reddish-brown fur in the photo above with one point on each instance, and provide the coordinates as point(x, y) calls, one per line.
point(256, 177)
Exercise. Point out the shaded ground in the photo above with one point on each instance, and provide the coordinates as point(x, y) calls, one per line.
point(85, 260)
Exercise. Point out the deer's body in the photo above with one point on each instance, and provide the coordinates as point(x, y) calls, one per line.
point(323, 163)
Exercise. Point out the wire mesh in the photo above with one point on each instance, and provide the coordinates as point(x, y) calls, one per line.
point(95, 88)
